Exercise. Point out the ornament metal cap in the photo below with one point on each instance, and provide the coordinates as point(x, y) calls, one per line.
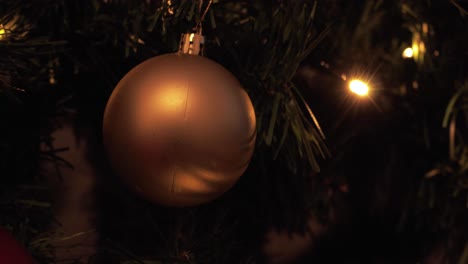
point(191, 43)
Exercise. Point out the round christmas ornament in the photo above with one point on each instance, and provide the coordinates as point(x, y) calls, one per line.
point(11, 251)
point(179, 128)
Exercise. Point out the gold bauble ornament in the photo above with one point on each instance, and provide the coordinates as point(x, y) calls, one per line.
point(179, 128)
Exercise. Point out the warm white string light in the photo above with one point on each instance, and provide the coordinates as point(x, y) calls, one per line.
point(407, 53)
point(359, 87)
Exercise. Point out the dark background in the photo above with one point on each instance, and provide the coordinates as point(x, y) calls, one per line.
point(371, 194)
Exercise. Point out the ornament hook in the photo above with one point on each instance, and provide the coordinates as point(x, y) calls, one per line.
point(192, 43)
point(198, 27)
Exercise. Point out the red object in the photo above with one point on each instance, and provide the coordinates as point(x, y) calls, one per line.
point(11, 252)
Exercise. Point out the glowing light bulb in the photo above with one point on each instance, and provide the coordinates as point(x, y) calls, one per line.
point(408, 53)
point(359, 87)
point(2, 33)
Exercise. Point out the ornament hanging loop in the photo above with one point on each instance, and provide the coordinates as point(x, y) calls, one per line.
point(198, 27)
point(192, 43)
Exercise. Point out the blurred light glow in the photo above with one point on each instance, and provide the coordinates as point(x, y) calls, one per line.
point(2, 33)
point(359, 87)
point(408, 53)
point(422, 47)
point(425, 28)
